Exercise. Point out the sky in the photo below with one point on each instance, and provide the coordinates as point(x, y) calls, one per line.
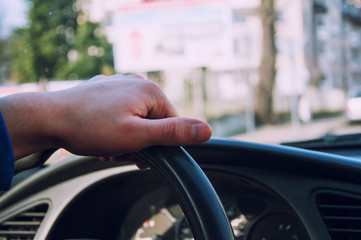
point(12, 15)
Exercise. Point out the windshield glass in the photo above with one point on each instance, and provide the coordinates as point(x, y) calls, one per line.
point(260, 70)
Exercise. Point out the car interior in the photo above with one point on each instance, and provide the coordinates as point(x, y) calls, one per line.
point(222, 61)
point(267, 191)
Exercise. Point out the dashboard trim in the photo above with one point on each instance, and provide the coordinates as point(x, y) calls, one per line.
point(60, 195)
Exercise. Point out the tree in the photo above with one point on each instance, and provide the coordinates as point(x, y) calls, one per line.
point(91, 54)
point(45, 49)
point(267, 71)
point(4, 53)
point(22, 59)
point(4, 60)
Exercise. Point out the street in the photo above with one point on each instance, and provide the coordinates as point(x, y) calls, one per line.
point(272, 134)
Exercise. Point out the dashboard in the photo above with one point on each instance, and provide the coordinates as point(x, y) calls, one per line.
point(268, 192)
point(254, 213)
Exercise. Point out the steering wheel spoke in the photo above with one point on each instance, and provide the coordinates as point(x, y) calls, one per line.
point(192, 189)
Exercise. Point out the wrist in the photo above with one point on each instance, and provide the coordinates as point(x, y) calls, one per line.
point(30, 122)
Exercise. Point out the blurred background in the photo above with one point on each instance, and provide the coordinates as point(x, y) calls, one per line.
point(256, 70)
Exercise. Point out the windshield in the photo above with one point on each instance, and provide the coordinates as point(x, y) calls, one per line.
point(261, 70)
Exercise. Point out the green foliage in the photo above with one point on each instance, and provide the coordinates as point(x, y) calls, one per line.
point(91, 55)
point(4, 60)
point(54, 45)
point(22, 65)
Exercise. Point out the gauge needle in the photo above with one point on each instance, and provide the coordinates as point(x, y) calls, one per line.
point(156, 226)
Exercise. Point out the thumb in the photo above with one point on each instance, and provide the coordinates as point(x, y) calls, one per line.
point(175, 131)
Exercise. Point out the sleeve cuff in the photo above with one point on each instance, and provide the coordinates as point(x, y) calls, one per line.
point(6, 157)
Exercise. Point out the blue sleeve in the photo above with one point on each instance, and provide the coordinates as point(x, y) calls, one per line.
point(6, 158)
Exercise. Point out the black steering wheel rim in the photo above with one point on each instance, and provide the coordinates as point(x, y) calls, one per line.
point(192, 189)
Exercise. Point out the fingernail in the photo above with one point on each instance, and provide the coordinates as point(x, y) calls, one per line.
point(201, 132)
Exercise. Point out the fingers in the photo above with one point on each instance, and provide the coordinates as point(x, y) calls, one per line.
point(173, 131)
point(144, 116)
point(162, 108)
point(158, 105)
point(96, 78)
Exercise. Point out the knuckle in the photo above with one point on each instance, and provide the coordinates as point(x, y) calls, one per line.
point(151, 86)
point(97, 77)
point(100, 76)
point(171, 130)
point(137, 76)
point(118, 76)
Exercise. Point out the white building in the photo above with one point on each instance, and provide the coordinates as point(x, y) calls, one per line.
point(318, 44)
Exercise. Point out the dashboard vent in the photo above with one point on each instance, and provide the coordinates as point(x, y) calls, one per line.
point(341, 214)
point(24, 225)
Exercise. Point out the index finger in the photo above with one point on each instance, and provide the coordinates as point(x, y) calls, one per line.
point(159, 105)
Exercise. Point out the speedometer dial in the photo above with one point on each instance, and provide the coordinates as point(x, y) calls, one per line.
point(157, 227)
point(278, 226)
point(170, 223)
point(253, 213)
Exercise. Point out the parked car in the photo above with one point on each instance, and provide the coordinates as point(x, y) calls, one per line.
point(353, 105)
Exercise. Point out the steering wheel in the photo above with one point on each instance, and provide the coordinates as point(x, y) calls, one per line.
point(192, 189)
point(188, 183)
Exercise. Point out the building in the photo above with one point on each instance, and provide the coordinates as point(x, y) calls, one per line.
point(206, 53)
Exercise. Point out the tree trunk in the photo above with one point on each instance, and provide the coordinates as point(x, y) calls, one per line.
point(267, 71)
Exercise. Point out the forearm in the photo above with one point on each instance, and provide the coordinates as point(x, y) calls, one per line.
point(105, 116)
point(29, 118)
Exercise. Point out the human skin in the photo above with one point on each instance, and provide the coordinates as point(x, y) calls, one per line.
point(104, 116)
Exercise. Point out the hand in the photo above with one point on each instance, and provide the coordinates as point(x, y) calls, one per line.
point(104, 116)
